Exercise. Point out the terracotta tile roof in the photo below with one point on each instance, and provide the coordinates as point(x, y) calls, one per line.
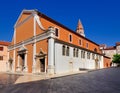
point(107, 57)
point(110, 48)
point(118, 43)
point(103, 45)
point(4, 43)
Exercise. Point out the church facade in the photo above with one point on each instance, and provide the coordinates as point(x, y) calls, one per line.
point(43, 45)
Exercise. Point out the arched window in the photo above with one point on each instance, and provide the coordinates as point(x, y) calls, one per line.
point(74, 52)
point(88, 55)
point(67, 51)
point(77, 52)
point(81, 54)
point(93, 56)
point(63, 50)
point(84, 54)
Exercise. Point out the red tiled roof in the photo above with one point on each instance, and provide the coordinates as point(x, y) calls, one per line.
point(4, 43)
point(102, 45)
point(118, 43)
point(110, 48)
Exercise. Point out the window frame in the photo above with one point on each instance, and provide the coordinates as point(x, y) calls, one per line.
point(77, 52)
point(80, 42)
point(57, 32)
point(1, 48)
point(1, 58)
point(87, 45)
point(63, 50)
point(74, 52)
point(70, 38)
point(67, 51)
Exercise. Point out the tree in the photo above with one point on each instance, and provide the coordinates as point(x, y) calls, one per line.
point(116, 59)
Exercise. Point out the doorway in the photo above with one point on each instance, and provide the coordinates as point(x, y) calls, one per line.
point(10, 64)
point(22, 61)
point(40, 65)
point(97, 65)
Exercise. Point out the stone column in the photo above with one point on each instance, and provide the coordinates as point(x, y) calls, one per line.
point(51, 51)
point(34, 58)
point(34, 47)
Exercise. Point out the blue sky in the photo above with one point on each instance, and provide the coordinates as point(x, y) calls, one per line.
point(100, 18)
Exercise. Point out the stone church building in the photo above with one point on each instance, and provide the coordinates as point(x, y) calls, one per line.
point(43, 45)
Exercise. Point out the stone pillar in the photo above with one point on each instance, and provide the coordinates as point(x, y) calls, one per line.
point(51, 51)
point(34, 58)
point(34, 47)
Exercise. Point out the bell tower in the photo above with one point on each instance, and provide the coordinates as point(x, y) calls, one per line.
point(80, 29)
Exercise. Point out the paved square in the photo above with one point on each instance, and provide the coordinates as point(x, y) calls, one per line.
point(100, 81)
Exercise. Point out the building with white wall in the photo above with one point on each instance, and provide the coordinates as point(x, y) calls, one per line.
point(43, 45)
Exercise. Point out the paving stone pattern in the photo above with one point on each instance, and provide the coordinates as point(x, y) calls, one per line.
point(100, 81)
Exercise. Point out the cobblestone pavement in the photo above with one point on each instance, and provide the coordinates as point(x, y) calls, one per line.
point(100, 81)
point(7, 80)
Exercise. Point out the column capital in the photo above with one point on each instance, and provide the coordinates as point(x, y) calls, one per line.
point(50, 28)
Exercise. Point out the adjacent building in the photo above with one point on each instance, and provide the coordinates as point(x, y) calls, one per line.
point(110, 51)
point(41, 44)
point(3, 55)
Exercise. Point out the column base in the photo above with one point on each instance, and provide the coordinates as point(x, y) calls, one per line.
point(18, 69)
point(25, 69)
point(33, 69)
point(50, 70)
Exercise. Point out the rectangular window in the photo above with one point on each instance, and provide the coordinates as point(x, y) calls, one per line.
point(1, 57)
point(80, 42)
point(1, 48)
point(87, 45)
point(56, 32)
point(70, 38)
